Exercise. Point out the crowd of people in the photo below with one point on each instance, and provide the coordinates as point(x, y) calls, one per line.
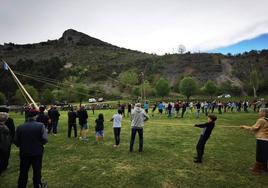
point(180, 108)
point(32, 135)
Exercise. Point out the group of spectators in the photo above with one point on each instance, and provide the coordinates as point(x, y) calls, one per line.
point(180, 108)
point(31, 136)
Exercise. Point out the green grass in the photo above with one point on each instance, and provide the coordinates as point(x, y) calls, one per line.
point(167, 160)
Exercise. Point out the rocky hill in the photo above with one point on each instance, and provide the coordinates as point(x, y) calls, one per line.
point(94, 62)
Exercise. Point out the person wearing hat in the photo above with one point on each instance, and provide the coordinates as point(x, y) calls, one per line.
point(5, 142)
point(260, 128)
point(10, 125)
point(30, 137)
point(138, 116)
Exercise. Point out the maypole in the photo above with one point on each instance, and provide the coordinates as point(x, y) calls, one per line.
point(7, 67)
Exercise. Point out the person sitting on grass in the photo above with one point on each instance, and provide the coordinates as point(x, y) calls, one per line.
point(206, 132)
point(261, 132)
point(117, 121)
point(99, 128)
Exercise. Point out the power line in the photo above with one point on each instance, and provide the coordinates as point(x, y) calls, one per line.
point(52, 83)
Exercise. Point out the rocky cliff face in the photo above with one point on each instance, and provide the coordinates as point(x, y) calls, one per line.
point(73, 37)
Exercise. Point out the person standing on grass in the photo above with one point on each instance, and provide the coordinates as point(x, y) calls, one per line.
point(213, 105)
point(11, 127)
point(82, 117)
point(260, 128)
point(72, 122)
point(206, 108)
point(128, 109)
point(206, 132)
point(146, 107)
point(169, 108)
point(117, 122)
point(93, 107)
point(30, 138)
point(239, 105)
point(191, 106)
point(245, 106)
point(123, 106)
point(198, 107)
point(154, 108)
point(5, 142)
point(220, 107)
point(161, 107)
point(42, 117)
point(225, 105)
point(183, 109)
point(203, 107)
point(138, 117)
point(99, 128)
point(177, 108)
point(54, 115)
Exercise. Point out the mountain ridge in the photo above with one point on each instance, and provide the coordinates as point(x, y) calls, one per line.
point(95, 62)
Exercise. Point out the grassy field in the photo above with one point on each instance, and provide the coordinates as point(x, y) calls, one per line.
point(167, 160)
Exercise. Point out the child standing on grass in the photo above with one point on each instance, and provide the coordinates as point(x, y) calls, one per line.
point(117, 121)
point(206, 132)
point(99, 128)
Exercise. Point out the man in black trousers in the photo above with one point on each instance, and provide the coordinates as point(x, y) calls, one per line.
point(72, 122)
point(138, 117)
point(53, 115)
point(205, 134)
point(30, 138)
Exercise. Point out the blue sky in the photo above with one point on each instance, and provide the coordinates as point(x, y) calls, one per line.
point(258, 43)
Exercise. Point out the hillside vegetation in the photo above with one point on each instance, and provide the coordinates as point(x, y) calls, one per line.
point(79, 58)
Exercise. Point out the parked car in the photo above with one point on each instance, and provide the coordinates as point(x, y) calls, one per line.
point(100, 99)
point(61, 103)
point(92, 100)
point(224, 96)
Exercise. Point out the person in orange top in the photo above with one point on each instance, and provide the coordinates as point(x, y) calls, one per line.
point(261, 132)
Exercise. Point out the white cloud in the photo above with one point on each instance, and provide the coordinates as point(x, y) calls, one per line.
point(154, 26)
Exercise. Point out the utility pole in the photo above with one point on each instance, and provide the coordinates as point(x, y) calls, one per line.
point(142, 86)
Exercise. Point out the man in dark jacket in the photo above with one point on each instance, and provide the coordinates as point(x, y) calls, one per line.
point(10, 125)
point(184, 107)
point(82, 117)
point(206, 132)
point(30, 138)
point(54, 115)
point(72, 122)
point(42, 117)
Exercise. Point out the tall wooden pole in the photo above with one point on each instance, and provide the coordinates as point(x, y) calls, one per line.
point(20, 84)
